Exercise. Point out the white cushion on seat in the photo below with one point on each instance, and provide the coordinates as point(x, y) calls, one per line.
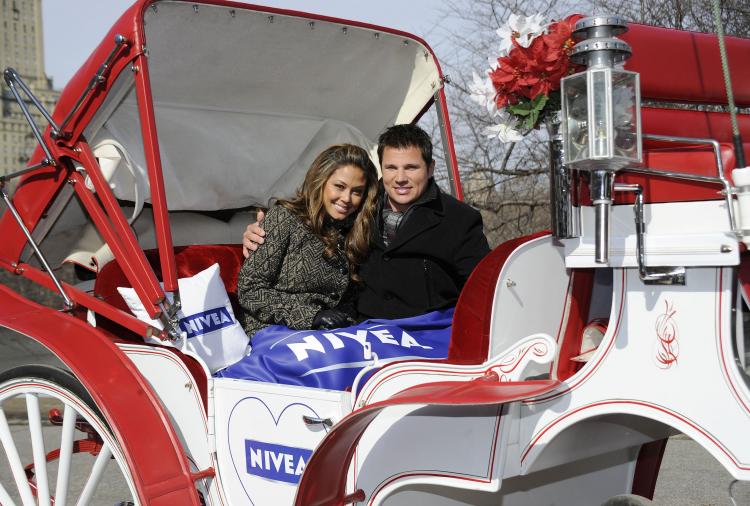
point(210, 329)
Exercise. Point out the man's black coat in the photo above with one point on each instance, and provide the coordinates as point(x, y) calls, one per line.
point(426, 265)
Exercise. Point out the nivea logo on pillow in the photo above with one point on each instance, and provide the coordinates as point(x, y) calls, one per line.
point(219, 338)
point(275, 462)
point(207, 321)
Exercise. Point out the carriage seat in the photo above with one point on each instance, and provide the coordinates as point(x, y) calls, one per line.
point(189, 260)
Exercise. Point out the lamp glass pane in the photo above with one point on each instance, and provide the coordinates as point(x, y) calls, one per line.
point(575, 118)
point(600, 130)
point(625, 117)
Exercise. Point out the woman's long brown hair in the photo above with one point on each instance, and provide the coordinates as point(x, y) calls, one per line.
point(308, 203)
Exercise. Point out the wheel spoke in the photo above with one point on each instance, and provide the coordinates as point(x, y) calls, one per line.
point(24, 489)
point(5, 499)
point(66, 455)
point(97, 470)
point(37, 445)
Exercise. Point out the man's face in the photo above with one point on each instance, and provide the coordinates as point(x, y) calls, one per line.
point(405, 176)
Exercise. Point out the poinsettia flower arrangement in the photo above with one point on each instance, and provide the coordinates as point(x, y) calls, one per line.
point(522, 85)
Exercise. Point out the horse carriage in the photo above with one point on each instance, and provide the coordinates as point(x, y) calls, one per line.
point(191, 112)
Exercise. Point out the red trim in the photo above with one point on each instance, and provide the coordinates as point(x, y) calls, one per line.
point(424, 474)
point(647, 468)
point(443, 104)
point(119, 391)
point(319, 486)
point(643, 404)
point(590, 368)
point(513, 361)
point(470, 337)
point(719, 324)
point(190, 365)
point(582, 281)
point(155, 176)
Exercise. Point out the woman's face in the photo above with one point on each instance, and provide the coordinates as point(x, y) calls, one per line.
point(343, 192)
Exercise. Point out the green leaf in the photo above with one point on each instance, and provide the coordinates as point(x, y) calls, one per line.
point(522, 108)
point(537, 106)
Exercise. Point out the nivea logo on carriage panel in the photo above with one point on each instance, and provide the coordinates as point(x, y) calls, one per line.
point(202, 323)
point(275, 462)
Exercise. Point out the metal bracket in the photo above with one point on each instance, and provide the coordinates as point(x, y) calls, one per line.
point(311, 420)
point(96, 81)
point(14, 81)
point(169, 317)
point(649, 275)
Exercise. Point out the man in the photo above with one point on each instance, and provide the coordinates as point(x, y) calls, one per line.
point(426, 243)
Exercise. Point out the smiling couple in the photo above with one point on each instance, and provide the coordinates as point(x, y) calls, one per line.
point(348, 247)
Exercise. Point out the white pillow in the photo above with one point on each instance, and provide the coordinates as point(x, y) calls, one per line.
point(207, 321)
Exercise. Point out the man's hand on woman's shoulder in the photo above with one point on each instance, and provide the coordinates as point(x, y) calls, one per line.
point(254, 235)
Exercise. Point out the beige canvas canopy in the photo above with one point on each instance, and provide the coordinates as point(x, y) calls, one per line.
point(245, 99)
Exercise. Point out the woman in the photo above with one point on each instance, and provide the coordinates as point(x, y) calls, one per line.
point(303, 275)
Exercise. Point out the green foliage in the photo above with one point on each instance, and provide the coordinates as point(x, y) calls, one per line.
point(528, 111)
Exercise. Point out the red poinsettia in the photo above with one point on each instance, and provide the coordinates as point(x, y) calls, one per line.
point(527, 72)
point(526, 76)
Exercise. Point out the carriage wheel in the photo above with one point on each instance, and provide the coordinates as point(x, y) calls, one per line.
point(627, 500)
point(55, 447)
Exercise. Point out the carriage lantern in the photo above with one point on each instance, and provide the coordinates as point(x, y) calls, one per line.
point(601, 115)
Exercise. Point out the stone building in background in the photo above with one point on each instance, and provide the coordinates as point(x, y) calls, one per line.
point(21, 47)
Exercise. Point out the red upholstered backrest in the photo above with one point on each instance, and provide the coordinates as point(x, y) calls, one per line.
point(189, 259)
point(685, 67)
point(470, 336)
point(680, 66)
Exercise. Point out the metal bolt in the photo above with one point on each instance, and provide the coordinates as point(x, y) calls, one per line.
point(134, 68)
point(195, 8)
point(726, 248)
point(344, 30)
point(232, 13)
point(510, 283)
point(406, 43)
point(376, 35)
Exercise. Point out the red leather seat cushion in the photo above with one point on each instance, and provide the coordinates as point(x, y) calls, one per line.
point(189, 259)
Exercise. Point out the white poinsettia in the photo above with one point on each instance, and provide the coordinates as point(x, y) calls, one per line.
point(483, 93)
point(504, 131)
point(523, 28)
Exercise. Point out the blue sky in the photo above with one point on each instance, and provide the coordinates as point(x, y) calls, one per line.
point(72, 28)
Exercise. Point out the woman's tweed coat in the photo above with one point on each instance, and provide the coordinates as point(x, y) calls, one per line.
point(288, 280)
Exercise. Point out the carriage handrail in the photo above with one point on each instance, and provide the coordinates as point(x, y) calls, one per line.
point(718, 179)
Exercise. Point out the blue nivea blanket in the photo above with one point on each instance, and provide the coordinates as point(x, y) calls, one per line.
point(331, 359)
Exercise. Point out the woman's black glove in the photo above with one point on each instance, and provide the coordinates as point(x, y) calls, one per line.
point(331, 319)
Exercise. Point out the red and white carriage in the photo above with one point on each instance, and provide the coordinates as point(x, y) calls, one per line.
point(242, 98)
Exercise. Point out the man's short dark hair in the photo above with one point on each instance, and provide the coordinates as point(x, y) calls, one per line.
point(406, 136)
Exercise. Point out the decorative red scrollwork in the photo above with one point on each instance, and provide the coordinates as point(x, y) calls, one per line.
point(667, 346)
point(510, 364)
